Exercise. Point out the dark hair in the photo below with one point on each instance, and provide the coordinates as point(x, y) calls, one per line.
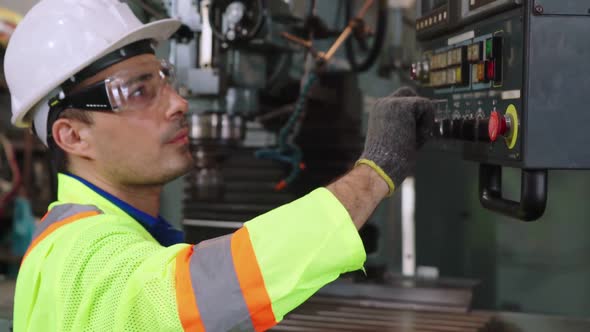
point(59, 156)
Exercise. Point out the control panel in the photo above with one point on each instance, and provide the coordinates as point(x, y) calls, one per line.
point(508, 78)
point(475, 79)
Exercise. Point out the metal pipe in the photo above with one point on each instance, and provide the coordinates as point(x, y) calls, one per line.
point(305, 43)
point(408, 228)
point(347, 31)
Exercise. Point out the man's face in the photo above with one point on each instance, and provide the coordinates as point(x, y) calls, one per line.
point(145, 145)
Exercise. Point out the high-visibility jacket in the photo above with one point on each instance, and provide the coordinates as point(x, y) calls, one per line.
point(92, 267)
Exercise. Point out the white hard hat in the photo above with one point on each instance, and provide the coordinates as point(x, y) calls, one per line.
point(58, 38)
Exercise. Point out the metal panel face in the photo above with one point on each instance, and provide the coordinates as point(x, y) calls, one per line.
point(474, 100)
point(479, 8)
point(201, 81)
point(562, 7)
point(451, 15)
point(543, 67)
point(559, 93)
point(512, 90)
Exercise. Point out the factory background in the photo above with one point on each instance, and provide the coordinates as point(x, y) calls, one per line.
point(540, 268)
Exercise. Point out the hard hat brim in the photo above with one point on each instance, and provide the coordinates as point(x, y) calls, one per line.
point(159, 30)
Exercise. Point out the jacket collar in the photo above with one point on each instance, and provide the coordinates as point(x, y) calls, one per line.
point(74, 189)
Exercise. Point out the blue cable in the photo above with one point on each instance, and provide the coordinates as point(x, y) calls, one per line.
point(287, 151)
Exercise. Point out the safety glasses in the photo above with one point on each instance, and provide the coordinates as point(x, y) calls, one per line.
point(132, 89)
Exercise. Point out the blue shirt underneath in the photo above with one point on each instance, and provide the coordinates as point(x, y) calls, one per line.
point(159, 228)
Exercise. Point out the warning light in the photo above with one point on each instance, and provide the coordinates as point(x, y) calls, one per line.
point(474, 52)
point(458, 75)
point(490, 48)
point(481, 72)
point(491, 70)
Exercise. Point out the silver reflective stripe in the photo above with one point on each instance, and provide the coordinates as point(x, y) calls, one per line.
point(60, 213)
point(244, 326)
point(217, 290)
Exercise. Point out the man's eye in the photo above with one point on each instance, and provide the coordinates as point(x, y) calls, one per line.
point(139, 92)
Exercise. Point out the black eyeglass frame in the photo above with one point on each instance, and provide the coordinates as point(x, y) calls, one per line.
point(92, 98)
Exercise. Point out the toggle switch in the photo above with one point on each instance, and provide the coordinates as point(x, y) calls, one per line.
point(483, 133)
point(468, 130)
point(456, 128)
point(446, 127)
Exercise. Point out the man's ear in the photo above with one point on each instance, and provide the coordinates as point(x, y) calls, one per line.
point(73, 137)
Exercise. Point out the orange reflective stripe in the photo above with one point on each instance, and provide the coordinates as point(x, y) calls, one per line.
point(57, 225)
point(45, 216)
point(188, 311)
point(251, 281)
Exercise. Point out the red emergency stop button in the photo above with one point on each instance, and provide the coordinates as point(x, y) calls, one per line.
point(497, 126)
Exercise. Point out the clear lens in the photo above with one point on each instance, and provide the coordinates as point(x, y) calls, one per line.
point(137, 89)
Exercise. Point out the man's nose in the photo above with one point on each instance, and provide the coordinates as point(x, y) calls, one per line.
point(178, 105)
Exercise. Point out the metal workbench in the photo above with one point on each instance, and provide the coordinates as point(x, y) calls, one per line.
point(326, 313)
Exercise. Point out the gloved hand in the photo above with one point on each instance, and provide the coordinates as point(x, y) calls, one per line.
point(398, 126)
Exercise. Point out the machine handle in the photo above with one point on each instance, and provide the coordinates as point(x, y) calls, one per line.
point(533, 193)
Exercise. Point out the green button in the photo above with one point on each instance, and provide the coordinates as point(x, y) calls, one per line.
point(489, 48)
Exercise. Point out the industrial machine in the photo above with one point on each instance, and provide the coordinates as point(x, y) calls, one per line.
point(509, 80)
point(262, 95)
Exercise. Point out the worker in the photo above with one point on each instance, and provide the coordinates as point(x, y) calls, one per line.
point(84, 75)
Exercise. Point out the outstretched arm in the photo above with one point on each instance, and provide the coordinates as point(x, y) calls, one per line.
point(398, 126)
point(360, 191)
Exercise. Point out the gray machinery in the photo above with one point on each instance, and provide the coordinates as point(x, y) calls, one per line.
point(226, 53)
point(510, 81)
point(271, 118)
point(221, 53)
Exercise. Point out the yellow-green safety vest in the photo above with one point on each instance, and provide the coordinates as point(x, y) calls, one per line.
point(92, 267)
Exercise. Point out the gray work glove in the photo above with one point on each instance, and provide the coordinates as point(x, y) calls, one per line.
point(398, 126)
